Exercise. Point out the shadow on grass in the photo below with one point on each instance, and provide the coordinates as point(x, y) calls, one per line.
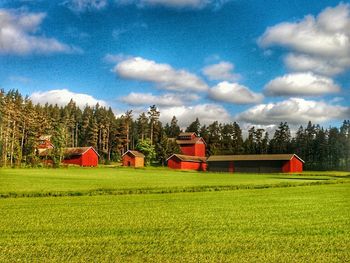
point(303, 178)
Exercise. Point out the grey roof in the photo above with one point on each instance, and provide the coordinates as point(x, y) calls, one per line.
point(73, 151)
point(77, 151)
point(253, 157)
point(135, 153)
point(189, 158)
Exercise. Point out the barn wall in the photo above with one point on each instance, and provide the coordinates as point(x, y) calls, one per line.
point(231, 167)
point(293, 166)
point(200, 149)
point(73, 160)
point(139, 162)
point(128, 160)
point(221, 166)
point(174, 163)
point(89, 158)
point(246, 166)
point(188, 149)
point(194, 166)
point(258, 166)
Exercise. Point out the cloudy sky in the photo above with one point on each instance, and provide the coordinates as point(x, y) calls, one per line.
point(255, 62)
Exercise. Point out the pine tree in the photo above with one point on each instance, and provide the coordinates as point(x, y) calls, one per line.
point(165, 148)
point(142, 126)
point(214, 139)
point(174, 128)
point(153, 115)
point(194, 127)
point(281, 141)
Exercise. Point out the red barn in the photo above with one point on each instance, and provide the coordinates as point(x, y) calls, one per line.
point(44, 143)
point(185, 162)
point(191, 144)
point(133, 158)
point(257, 163)
point(83, 156)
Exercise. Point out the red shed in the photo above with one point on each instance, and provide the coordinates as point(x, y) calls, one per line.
point(44, 143)
point(134, 159)
point(186, 162)
point(191, 144)
point(83, 156)
point(256, 163)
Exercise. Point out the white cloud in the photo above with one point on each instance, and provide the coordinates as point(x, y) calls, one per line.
point(206, 113)
point(324, 66)
point(322, 43)
point(220, 71)
point(294, 111)
point(234, 93)
point(327, 34)
point(115, 58)
point(18, 35)
point(301, 84)
point(169, 99)
point(177, 4)
point(62, 97)
point(163, 75)
point(86, 5)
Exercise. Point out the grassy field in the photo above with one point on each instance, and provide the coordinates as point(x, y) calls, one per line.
point(97, 181)
point(157, 215)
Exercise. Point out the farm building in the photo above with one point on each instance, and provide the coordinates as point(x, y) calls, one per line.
point(186, 162)
point(133, 158)
point(262, 163)
point(191, 144)
point(44, 143)
point(83, 156)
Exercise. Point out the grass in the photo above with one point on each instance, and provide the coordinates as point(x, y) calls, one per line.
point(268, 222)
point(86, 181)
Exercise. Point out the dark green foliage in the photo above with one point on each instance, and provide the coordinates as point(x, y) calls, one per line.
point(148, 149)
point(165, 148)
point(281, 141)
point(194, 127)
point(172, 130)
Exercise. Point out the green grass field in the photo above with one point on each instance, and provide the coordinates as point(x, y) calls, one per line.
point(158, 215)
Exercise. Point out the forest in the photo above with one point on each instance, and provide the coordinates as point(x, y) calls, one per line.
point(22, 123)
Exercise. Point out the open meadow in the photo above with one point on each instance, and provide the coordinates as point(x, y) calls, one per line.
point(159, 215)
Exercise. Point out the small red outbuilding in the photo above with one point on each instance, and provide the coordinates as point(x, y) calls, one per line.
point(83, 156)
point(133, 158)
point(187, 162)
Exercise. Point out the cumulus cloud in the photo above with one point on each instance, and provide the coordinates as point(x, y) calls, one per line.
point(86, 5)
point(294, 111)
point(327, 34)
point(165, 76)
point(18, 35)
point(220, 71)
point(169, 99)
point(323, 40)
point(206, 113)
point(323, 66)
point(234, 93)
point(62, 97)
point(301, 84)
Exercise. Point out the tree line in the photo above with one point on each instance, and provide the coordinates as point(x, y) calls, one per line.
point(22, 123)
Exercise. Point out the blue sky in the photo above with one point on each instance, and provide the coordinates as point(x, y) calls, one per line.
point(255, 62)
